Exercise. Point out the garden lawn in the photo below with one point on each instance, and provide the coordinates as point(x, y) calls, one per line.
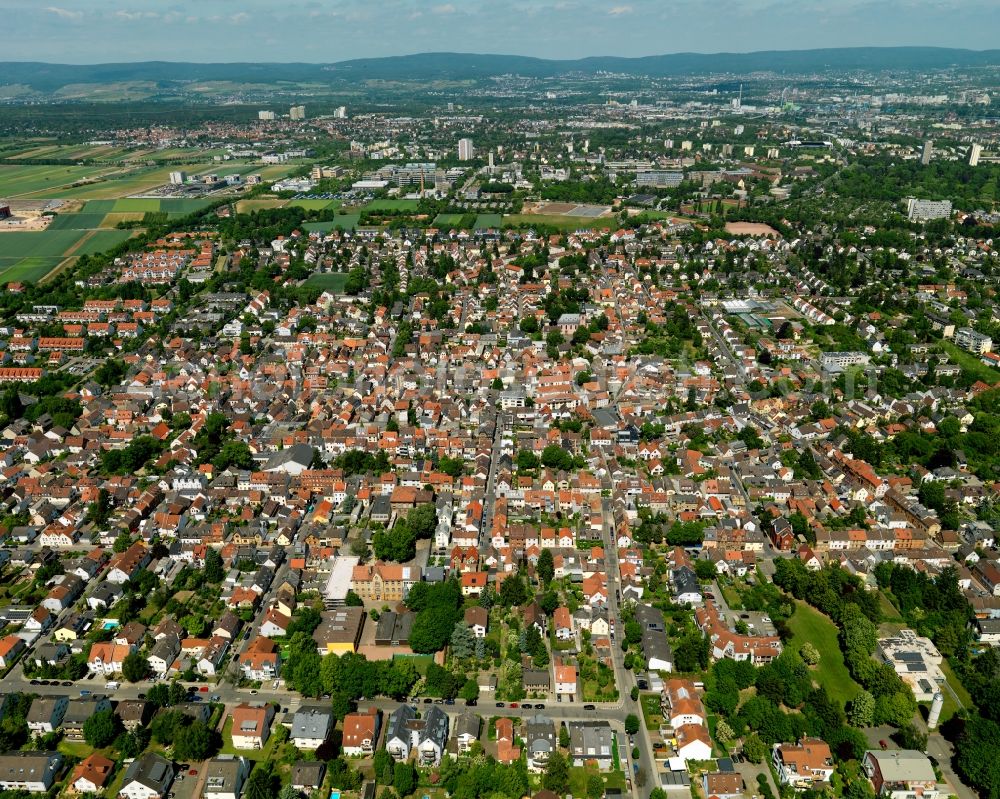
point(808, 624)
point(652, 714)
point(970, 363)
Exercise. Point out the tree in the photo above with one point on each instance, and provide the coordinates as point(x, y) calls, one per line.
point(631, 724)
point(723, 732)
point(352, 600)
point(135, 667)
point(101, 728)
point(809, 653)
point(545, 568)
point(595, 786)
point(862, 710)
point(214, 571)
point(526, 460)
point(564, 739)
point(404, 778)
point(755, 749)
point(556, 776)
point(384, 767)
point(470, 691)
point(193, 741)
point(462, 641)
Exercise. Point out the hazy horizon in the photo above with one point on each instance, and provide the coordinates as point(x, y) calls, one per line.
point(84, 32)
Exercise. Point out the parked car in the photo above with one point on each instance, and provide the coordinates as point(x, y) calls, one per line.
point(500, 704)
point(449, 701)
point(428, 701)
point(590, 707)
point(539, 707)
point(514, 705)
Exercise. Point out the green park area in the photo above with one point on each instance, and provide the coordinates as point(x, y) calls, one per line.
point(809, 625)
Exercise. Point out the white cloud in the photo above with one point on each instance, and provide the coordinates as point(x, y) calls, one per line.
point(239, 18)
point(64, 13)
point(618, 11)
point(445, 8)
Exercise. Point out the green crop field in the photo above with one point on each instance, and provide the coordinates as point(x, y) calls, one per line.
point(43, 243)
point(488, 220)
point(44, 180)
point(134, 204)
point(101, 240)
point(98, 206)
point(392, 205)
point(26, 270)
point(82, 221)
point(448, 220)
point(808, 624)
point(327, 281)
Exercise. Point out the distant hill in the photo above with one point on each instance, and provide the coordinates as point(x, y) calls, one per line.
point(44, 77)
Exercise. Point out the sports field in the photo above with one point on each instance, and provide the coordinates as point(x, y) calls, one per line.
point(392, 205)
point(488, 220)
point(560, 222)
point(315, 205)
point(345, 221)
point(448, 220)
point(328, 281)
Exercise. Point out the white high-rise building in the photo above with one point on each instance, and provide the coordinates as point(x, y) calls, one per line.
point(466, 151)
point(297, 112)
point(925, 156)
point(178, 178)
point(340, 112)
point(975, 151)
point(265, 116)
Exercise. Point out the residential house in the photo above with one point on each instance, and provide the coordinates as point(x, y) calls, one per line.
point(361, 732)
point(901, 774)
point(398, 737)
point(92, 774)
point(251, 725)
point(466, 731)
point(311, 726)
point(34, 772)
point(149, 776)
point(225, 776)
point(541, 738)
point(803, 765)
point(591, 742)
point(46, 714)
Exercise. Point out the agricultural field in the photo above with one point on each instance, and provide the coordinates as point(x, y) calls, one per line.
point(26, 270)
point(53, 243)
point(101, 240)
point(81, 221)
point(46, 181)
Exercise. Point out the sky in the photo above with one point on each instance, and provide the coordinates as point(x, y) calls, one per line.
point(324, 31)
